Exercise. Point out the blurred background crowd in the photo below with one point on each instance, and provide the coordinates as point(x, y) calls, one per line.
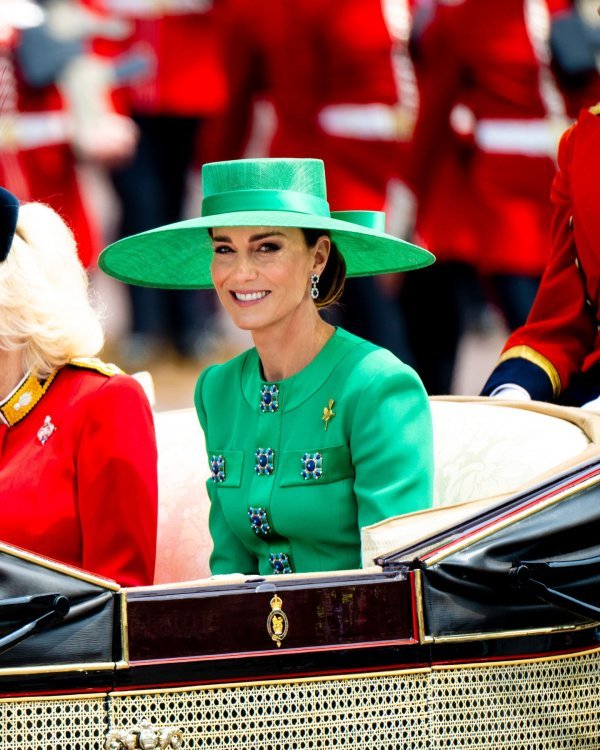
point(444, 113)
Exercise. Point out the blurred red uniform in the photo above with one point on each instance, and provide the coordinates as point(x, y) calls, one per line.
point(495, 59)
point(341, 83)
point(50, 166)
point(12, 172)
point(78, 473)
point(559, 347)
point(184, 40)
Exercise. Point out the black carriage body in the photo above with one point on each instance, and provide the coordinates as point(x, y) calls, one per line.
point(485, 635)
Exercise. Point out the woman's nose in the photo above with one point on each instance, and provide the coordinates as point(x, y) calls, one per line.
point(244, 267)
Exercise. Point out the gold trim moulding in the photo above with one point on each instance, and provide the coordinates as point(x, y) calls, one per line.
point(503, 523)
point(421, 635)
point(514, 662)
point(43, 562)
point(61, 697)
point(54, 668)
point(124, 662)
point(506, 634)
point(267, 683)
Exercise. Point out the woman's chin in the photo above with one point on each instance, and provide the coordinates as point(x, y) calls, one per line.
point(249, 322)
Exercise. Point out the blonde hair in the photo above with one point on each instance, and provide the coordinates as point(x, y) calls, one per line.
point(45, 309)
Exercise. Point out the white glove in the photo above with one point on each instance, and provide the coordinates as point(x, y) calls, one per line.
point(511, 392)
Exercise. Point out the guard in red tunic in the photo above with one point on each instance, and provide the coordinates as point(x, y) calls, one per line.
point(495, 59)
point(341, 82)
point(78, 458)
point(556, 355)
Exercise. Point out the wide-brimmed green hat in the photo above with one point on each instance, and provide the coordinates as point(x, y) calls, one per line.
point(257, 192)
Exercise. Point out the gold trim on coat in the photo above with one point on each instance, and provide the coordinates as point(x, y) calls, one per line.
point(531, 355)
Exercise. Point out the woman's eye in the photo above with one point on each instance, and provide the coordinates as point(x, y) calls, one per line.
point(222, 249)
point(268, 247)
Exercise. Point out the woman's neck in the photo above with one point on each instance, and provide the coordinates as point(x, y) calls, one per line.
point(287, 348)
point(11, 371)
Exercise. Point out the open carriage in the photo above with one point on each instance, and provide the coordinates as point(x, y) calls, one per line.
point(474, 624)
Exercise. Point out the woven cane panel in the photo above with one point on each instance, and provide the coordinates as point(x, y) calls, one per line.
point(63, 724)
point(553, 705)
point(385, 713)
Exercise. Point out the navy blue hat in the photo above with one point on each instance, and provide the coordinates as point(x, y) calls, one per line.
point(9, 213)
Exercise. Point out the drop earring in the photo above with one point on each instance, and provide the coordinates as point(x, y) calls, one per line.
point(314, 279)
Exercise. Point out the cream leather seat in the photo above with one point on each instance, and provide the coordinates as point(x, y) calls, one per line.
point(485, 450)
point(184, 543)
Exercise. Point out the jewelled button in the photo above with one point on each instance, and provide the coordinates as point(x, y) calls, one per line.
point(269, 398)
point(313, 466)
point(259, 521)
point(217, 468)
point(280, 563)
point(264, 461)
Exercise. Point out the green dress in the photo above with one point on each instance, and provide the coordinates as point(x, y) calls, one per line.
point(298, 466)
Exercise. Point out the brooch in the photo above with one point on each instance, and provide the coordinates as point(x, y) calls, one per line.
point(259, 521)
point(280, 562)
point(45, 430)
point(269, 398)
point(264, 461)
point(217, 468)
point(328, 413)
point(313, 466)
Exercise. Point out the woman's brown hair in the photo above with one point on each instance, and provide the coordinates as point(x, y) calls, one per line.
point(333, 278)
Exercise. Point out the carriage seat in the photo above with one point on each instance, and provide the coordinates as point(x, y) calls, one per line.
point(484, 451)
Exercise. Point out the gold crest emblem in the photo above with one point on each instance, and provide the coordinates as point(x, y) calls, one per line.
point(277, 621)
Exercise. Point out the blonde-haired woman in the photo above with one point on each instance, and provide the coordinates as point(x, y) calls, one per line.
point(77, 449)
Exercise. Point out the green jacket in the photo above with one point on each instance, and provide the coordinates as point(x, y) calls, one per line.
point(290, 488)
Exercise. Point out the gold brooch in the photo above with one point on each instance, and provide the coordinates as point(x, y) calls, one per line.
point(277, 621)
point(328, 413)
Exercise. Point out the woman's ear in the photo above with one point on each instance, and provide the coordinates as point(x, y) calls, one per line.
point(322, 250)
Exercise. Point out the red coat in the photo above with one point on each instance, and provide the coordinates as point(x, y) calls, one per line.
point(561, 336)
point(189, 78)
point(78, 475)
point(491, 58)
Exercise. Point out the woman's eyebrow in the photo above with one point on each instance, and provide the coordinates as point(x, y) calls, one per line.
point(253, 238)
point(264, 235)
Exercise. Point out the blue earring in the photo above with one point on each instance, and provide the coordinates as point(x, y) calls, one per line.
point(314, 280)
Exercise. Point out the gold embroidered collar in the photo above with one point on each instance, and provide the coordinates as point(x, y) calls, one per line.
point(23, 398)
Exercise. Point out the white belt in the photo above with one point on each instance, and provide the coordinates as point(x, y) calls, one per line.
point(524, 137)
point(368, 122)
point(156, 8)
point(34, 129)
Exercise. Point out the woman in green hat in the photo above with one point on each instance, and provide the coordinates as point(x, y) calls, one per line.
point(313, 433)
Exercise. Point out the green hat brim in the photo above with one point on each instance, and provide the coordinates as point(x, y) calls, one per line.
point(178, 256)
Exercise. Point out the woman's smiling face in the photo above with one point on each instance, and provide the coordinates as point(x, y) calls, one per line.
point(262, 274)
